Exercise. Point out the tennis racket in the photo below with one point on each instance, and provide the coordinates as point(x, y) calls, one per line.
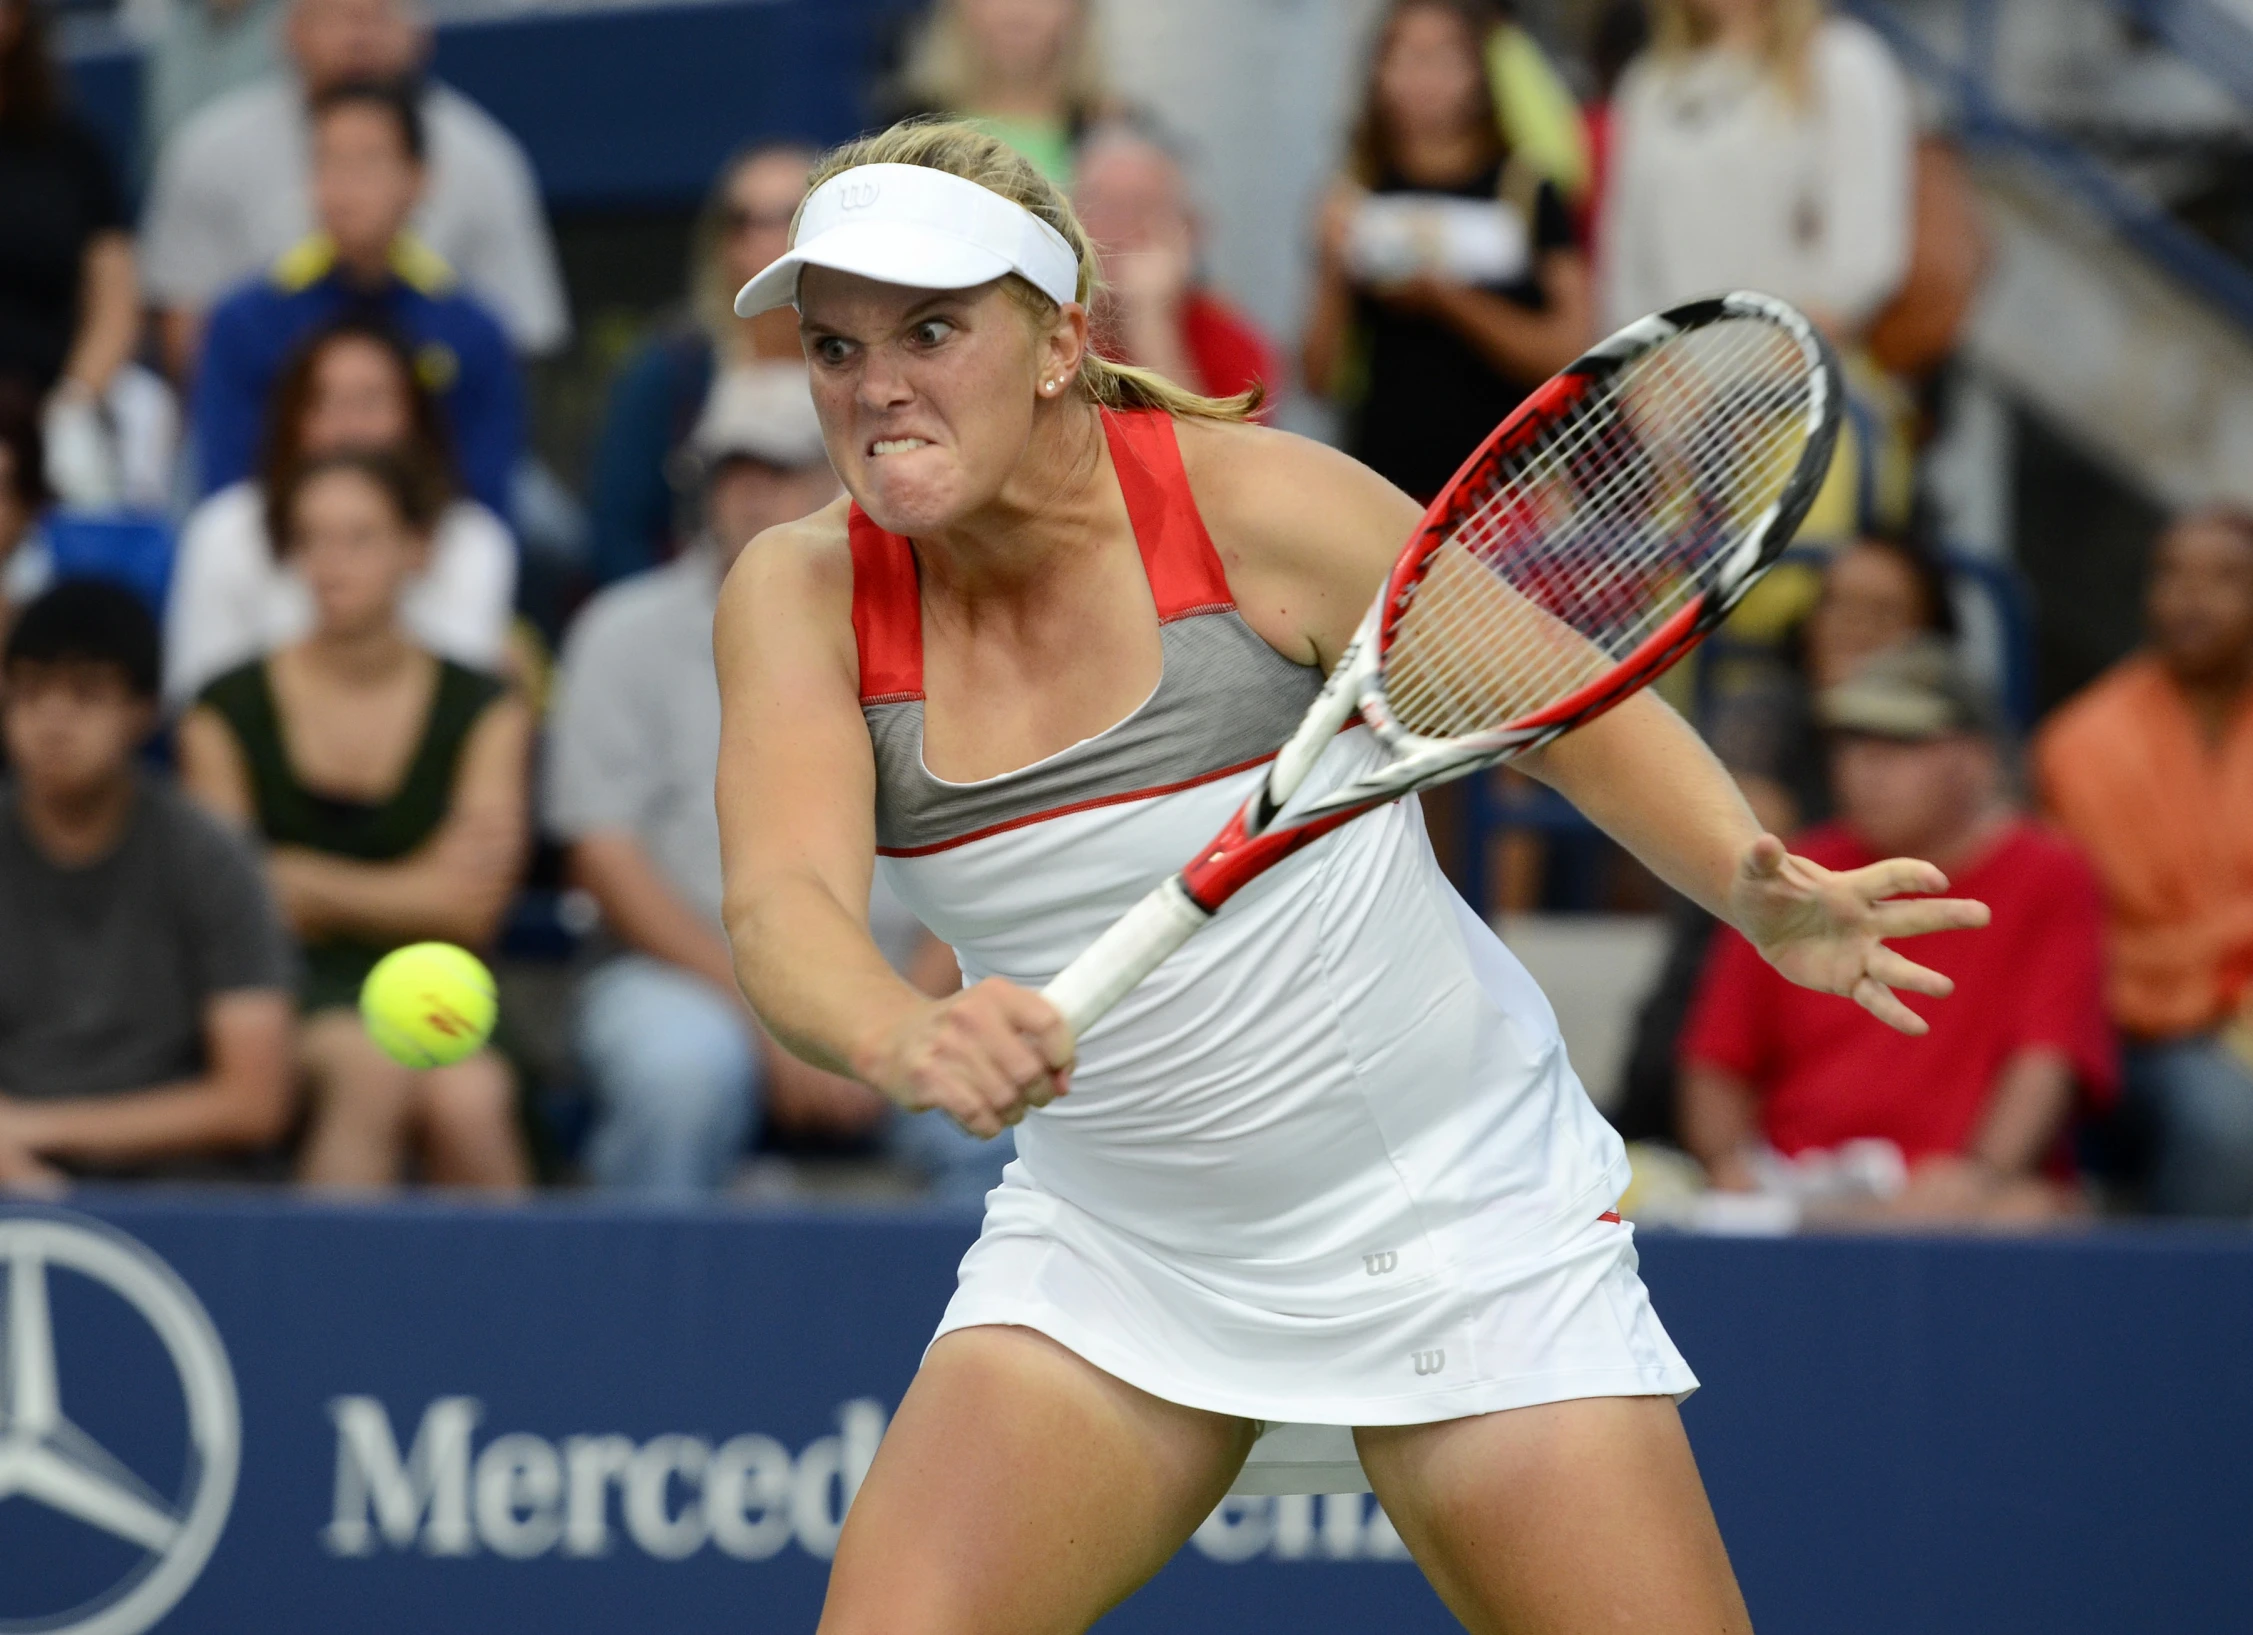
point(1594, 538)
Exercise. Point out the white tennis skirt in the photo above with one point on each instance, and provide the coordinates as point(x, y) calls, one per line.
point(1550, 1320)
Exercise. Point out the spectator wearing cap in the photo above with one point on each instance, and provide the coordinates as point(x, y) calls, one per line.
point(232, 188)
point(1979, 1106)
point(1154, 311)
point(2151, 770)
point(145, 975)
point(681, 1071)
point(367, 174)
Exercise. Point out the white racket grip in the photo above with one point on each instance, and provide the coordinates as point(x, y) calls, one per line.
point(1110, 967)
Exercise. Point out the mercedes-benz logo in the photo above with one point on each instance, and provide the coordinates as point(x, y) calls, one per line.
point(47, 1460)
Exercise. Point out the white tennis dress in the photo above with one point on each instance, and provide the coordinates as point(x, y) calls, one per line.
point(1327, 1166)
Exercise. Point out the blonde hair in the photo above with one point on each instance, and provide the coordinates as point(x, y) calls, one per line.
point(941, 70)
point(1785, 34)
point(960, 150)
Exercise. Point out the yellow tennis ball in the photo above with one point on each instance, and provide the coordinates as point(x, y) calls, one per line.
point(428, 1004)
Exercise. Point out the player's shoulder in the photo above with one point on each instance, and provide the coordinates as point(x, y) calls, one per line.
point(796, 568)
point(1255, 483)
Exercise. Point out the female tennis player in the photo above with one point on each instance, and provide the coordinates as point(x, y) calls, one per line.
point(1326, 1174)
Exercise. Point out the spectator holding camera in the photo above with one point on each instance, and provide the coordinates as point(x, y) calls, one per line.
point(2151, 770)
point(1977, 1107)
point(1758, 144)
point(368, 171)
point(1450, 285)
point(387, 785)
point(232, 192)
point(660, 393)
point(681, 1070)
point(144, 973)
point(235, 596)
point(1153, 310)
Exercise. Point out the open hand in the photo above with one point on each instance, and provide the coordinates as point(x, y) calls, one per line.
point(1828, 931)
point(982, 1056)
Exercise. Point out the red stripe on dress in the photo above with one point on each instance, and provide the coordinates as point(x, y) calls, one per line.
point(1076, 806)
point(1610, 1215)
point(1177, 553)
point(887, 612)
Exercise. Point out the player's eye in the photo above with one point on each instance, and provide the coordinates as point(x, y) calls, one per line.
point(832, 350)
point(931, 331)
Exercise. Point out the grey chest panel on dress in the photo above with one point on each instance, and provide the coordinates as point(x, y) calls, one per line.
point(1224, 701)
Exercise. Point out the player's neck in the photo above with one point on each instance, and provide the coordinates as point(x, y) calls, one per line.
point(1061, 495)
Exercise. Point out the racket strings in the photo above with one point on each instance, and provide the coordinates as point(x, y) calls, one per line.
point(1602, 528)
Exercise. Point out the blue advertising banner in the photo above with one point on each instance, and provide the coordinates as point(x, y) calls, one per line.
point(275, 1416)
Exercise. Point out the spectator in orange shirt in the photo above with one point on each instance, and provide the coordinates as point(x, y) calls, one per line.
point(1133, 199)
point(2151, 769)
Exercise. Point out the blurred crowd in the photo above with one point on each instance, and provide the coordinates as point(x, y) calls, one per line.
point(272, 705)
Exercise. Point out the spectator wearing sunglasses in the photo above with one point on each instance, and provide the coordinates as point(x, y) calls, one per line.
point(659, 397)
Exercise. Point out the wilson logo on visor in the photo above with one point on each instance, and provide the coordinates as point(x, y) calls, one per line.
point(858, 195)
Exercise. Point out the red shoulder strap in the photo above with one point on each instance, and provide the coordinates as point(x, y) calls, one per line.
point(1177, 554)
point(887, 612)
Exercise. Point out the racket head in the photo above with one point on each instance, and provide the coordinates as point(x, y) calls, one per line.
point(1602, 530)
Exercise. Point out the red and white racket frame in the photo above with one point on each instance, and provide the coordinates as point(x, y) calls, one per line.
point(1255, 840)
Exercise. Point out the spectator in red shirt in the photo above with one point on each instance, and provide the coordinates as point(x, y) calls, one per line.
point(1978, 1107)
point(1133, 198)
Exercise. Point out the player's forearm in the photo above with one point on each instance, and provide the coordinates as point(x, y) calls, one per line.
point(813, 974)
point(2032, 1099)
point(1646, 779)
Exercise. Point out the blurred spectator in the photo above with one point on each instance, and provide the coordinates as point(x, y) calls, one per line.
point(388, 786)
point(1759, 145)
point(1026, 72)
point(1875, 595)
point(659, 394)
point(198, 51)
point(69, 301)
point(681, 1071)
point(144, 974)
point(2151, 769)
point(1978, 1107)
point(1449, 285)
point(232, 192)
point(367, 173)
point(25, 567)
point(1154, 310)
point(234, 596)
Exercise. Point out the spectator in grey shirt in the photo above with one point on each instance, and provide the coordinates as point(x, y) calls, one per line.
point(145, 978)
point(233, 189)
point(681, 1071)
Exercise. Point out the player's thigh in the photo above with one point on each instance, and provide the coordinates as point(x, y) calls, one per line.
point(1564, 1519)
point(1022, 1491)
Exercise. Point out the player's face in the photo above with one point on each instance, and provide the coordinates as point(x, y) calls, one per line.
point(927, 398)
point(71, 727)
point(357, 400)
point(354, 551)
point(2200, 605)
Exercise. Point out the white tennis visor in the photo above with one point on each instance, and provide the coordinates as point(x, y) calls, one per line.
point(909, 224)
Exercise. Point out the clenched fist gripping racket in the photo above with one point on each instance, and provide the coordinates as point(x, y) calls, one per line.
point(1602, 530)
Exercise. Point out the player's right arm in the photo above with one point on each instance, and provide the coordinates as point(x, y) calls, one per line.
point(797, 801)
